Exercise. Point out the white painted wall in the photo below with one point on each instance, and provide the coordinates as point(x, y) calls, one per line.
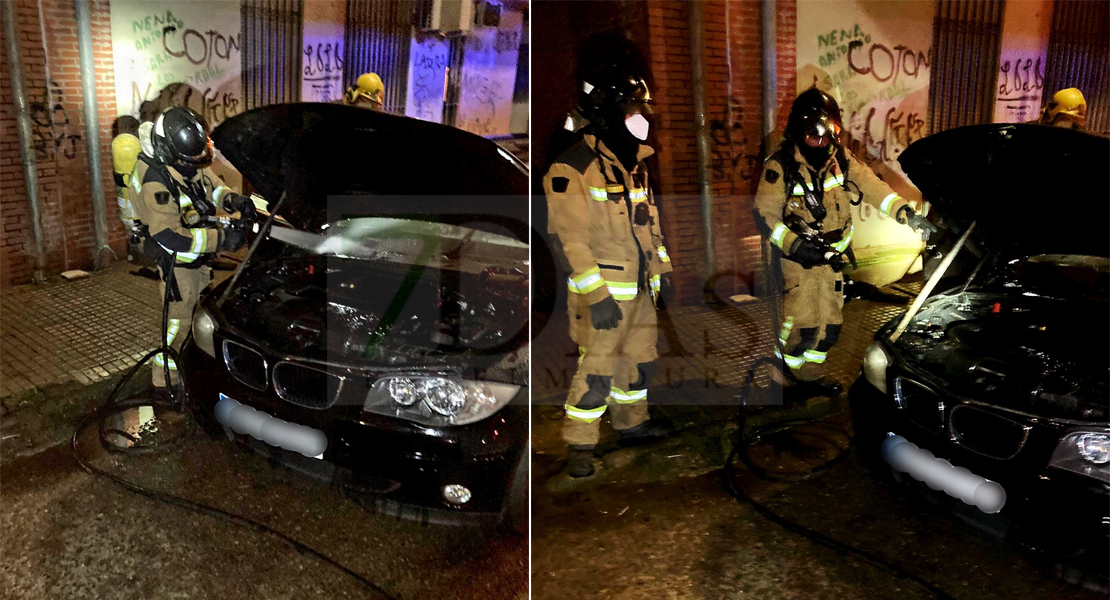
point(427, 78)
point(322, 50)
point(202, 51)
point(489, 76)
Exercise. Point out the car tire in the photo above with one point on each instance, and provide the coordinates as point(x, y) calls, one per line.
point(514, 516)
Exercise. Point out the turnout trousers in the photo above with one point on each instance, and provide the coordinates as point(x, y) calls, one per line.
point(613, 355)
point(190, 282)
point(811, 317)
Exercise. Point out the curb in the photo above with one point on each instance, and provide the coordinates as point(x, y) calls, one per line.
point(48, 416)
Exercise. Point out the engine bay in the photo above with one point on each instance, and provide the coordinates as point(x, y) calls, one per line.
point(1020, 352)
point(344, 310)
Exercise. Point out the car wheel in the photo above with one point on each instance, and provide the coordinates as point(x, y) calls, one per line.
point(514, 516)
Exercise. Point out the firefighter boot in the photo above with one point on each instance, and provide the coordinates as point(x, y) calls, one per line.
point(581, 427)
point(649, 430)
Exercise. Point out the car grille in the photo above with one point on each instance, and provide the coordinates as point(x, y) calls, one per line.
point(306, 386)
point(246, 365)
point(920, 404)
point(987, 433)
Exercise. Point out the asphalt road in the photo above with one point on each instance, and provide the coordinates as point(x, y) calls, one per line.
point(67, 534)
point(657, 522)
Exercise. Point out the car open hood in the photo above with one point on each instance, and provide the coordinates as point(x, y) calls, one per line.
point(334, 161)
point(1032, 189)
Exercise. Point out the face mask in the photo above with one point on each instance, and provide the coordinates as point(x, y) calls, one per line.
point(638, 126)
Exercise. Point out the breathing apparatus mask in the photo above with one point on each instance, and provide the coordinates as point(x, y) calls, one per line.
point(618, 104)
point(814, 126)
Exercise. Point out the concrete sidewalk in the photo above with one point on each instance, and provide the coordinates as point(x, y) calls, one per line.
point(65, 344)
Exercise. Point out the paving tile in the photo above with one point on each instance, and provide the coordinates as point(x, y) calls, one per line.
point(65, 331)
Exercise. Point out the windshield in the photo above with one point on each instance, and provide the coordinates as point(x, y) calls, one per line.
point(409, 242)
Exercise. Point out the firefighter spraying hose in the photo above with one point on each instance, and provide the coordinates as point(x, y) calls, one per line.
point(802, 209)
point(174, 195)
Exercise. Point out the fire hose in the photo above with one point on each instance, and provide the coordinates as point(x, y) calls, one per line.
point(744, 440)
point(178, 402)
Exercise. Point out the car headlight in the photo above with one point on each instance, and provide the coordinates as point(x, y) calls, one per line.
point(204, 326)
point(437, 400)
point(1086, 452)
point(875, 362)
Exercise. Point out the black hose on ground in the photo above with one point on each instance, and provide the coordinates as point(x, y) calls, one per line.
point(740, 451)
point(113, 406)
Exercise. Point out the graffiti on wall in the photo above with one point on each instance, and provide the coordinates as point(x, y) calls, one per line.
point(875, 57)
point(322, 72)
point(877, 65)
point(1020, 88)
point(732, 160)
point(883, 135)
point(489, 77)
point(887, 64)
point(52, 132)
point(427, 79)
point(171, 52)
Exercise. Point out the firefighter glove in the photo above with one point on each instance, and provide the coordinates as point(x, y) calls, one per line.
point(605, 314)
point(232, 238)
point(243, 205)
point(807, 253)
point(906, 216)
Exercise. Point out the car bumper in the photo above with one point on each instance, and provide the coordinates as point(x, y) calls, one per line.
point(393, 466)
point(1046, 506)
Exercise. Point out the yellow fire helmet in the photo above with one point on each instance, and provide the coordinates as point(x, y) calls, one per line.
point(367, 91)
point(1067, 108)
point(371, 85)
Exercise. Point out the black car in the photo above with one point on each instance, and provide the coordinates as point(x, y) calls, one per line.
point(376, 334)
point(1004, 374)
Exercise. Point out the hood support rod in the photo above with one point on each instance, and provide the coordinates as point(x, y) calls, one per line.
point(263, 232)
point(929, 285)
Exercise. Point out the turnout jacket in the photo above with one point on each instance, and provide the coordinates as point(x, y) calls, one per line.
point(160, 208)
point(775, 199)
point(605, 222)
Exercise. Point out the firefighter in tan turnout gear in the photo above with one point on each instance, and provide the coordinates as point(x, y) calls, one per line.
point(1067, 108)
point(803, 206)
point(604, 227)
point(368, 92)
point(175, 195)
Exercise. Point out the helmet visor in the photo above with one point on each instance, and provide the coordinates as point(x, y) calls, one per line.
point(199, 160)
point(821, 129)
point(637, 107)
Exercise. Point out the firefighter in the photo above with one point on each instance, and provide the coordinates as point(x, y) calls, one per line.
point(1067, 108)
point(175, 193)
point(802, 207)
point(604, 228)
point(368, 92)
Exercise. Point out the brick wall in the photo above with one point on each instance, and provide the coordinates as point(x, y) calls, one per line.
point(733, 110)
point(52, 84)
point(786, 27)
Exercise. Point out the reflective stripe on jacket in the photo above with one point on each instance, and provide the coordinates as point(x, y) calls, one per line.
point(605, 223)
point(156, 207)
point(773, 202)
